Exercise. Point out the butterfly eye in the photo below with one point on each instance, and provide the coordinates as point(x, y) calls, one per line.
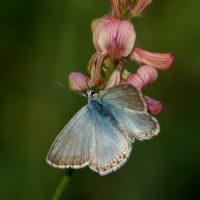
point(90, 93)
point(93, 93)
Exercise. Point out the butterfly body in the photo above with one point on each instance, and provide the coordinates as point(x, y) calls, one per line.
point(98, 107)
point(101, 134)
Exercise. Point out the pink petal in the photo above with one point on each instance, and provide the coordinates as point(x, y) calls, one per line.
point(95, 65)
point(114, 79)
point(154, 107)
point(97, 26)
point(126, 3)
point(109, 17)
point(117, 38)
point(77, 81)
point(144, 76)
point(162, 61)
point(139, 7)
point(136, 81)
point(117, 7)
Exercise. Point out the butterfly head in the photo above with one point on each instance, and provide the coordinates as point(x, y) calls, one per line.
point(91, 93)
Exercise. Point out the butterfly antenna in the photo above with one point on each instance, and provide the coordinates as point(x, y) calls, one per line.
point(61, 85)
point(80, 93)
point(58, 84)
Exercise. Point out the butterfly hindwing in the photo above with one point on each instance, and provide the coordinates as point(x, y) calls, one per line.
point(110, 148)
point(140, 126)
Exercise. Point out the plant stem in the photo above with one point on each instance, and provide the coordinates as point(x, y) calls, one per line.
point(62, 185)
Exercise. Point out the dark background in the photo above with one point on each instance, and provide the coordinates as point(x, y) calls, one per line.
point(41, 41)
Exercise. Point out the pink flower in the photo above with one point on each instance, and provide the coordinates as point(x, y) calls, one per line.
point(112, 38)
point(154, 107)
point(162, 61)
point(139, 7)
point(77, 81)
point(144, 76)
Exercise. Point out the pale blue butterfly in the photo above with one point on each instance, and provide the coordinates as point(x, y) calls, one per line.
point(101, 134)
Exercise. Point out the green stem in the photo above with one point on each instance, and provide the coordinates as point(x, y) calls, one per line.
point(62, 185)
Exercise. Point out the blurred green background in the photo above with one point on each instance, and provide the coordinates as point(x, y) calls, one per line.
point(41, 41)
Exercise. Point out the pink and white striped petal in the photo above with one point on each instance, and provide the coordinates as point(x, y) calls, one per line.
point(144, 76)
point(162, 61)
point(117, 7)
point(154, 106)
point(95, 65)
point(77, 81)
point(114, 79)
point(139, 7)
point(114, 37)
point(97, 26)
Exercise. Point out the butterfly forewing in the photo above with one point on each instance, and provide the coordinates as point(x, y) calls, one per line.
point(129, 109)
point(72, 146)
point(124, 96)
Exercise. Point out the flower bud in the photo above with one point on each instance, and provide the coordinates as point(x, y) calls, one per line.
point(77, 81)
point(119, 6)
point(144, 76)
point(154, 106)
point(126, 74)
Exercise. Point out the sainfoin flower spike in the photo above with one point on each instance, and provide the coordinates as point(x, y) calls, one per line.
point(116, 110)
